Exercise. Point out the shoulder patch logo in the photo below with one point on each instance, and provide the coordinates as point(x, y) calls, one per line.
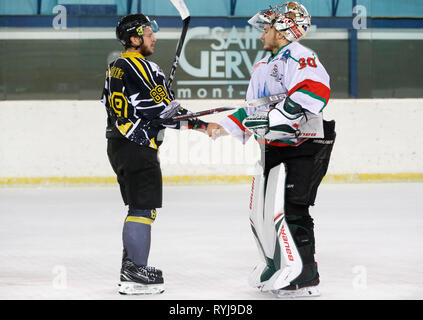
point(286, 55)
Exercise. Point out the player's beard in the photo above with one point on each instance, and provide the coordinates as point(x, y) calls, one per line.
point(271, 44)
point(269, 47)
point(266, 48)
point(147, 50)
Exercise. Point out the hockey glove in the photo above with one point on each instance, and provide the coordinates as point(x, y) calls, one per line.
point(281, 122)
point(165, 117)
point(171, 110)
point(258, 123)
point(174, 109)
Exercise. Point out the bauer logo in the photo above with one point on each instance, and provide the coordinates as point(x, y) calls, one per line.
point(216, 62)
point(284, 238)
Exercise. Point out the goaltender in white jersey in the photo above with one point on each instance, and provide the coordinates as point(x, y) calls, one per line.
point(294, 70)
point(292, 164)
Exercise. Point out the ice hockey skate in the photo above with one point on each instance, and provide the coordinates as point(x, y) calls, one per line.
point(309, 289)
point(136, 280)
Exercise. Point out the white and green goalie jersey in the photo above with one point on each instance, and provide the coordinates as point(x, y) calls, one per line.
point(294, 70)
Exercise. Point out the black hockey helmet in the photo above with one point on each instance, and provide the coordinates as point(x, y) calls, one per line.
point(133, 25)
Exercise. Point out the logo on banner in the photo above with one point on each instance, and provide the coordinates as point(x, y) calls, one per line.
point(223, 69)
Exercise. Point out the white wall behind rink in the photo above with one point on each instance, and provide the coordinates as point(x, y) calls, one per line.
point(66, 138)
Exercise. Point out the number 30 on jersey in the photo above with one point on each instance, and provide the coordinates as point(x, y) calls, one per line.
point(311, 62)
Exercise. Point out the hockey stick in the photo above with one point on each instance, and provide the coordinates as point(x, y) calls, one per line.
point(246, 104)
point(188, 116)
point(201, 113)
point(185, 15)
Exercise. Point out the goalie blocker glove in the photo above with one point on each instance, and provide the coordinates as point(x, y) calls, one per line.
point(281, 122)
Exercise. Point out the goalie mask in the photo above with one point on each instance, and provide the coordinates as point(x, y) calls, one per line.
point(291, 19)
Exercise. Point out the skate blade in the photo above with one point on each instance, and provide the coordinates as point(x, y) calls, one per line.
point(126, 287)
point(299, 293)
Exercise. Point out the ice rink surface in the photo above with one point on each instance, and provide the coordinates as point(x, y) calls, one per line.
point(65, 243)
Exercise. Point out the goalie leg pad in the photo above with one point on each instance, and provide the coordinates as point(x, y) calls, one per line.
point(301, 228)
point(282, 261)
point(291, 264)
point(283, 233)
point(262, 226)
point(294, 251)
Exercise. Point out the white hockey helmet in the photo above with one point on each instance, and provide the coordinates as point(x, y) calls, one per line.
point(291, 19)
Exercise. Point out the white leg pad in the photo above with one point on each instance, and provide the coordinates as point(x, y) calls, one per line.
point(260, 223)
point(291, 263)
point(267, 218)
point(254, 279)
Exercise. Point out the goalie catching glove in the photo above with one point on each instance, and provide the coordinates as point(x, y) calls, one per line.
point(281, 122)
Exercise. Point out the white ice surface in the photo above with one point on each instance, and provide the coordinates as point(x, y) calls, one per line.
point(65, 243)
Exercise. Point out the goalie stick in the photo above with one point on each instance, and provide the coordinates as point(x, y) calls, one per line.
point(185, 15)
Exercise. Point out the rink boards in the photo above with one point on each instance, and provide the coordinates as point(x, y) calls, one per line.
point(63, 142)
